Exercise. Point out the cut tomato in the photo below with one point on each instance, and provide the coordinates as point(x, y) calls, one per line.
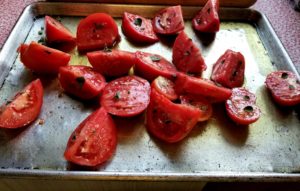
point(24, 108)
point(94, 141)
point(165, 87)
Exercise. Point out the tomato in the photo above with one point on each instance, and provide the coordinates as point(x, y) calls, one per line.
point(150, 66)
point(24, 108)
point(138, 29)
point(187, 56)
point(168, 21)
point(241, 107)
point(42, 59)
point(197, 86)
point(229, 69)
point(111, 63)
point(284, 87)
point(97, 31)
point(126, 96)
point(165, 87)
point(58, 35)
point(81, 81)
point(199, 102)
point(94, 141)
point(168, 121)
point(207, 19)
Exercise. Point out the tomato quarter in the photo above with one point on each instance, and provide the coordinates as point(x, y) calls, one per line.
point(165, 87)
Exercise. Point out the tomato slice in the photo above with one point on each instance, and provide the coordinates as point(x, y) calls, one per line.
point(168, 21)
point(229, 70)
point(42, 59)
point(150, 66)
point(165, 87)
point(187, 56)
point(241, 107)
point(97, 31)
point(207, 19)
point(138, 29)
point(284, 87)
point(81, 81)
point(94, 141)
point(24, 107)
point(126, 96)
point(113, 63)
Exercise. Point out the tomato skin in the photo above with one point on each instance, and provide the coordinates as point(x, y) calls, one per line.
point(284, 87)
point(165, 87)
point(150, 66)
point(140, 32)
point(97, 31)
point(229, 70)
point(126, 96)
point(241, 107)
point(112, 63)
point(168, 21)
point(187, 56)
point(94, 141)
point(81, 81)
point(207, 19)
point(24, 107)
point(42, 59)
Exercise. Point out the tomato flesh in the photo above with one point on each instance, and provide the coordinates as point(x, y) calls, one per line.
point(165, 87)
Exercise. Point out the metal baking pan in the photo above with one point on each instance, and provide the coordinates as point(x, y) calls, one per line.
point(217, 150)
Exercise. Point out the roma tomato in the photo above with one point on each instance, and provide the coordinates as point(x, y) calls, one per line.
point(284, 87)
point(165, 87)
point(42, 59)
point(187, 56)
point(168, 21)
point(94, 141)
point(229, 70)
point(24, 108)
point(241, 107)
point(126, 96)
point(138, 29)
point(150, 66)
point(97, 31)
point(207, 19)
point(113, 63)
point(81, 81)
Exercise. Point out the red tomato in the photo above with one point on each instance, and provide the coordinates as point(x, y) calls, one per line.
point(207, 19)
point(42, 59)
point(97, 31)
point(113, 63)
point(187, 56)
point(126, 96)
point(284, 87)
point(165, 87)
point(229, 69)
point(24, 107)
point(94, 141)
point(168, 121)
point(168, 21)
point(58, 35)
point(81, 81)
point(138, 29)
point(241, 107)
point(198, 86)
point(150, 66)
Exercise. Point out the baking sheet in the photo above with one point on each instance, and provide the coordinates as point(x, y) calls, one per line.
point(215, 150)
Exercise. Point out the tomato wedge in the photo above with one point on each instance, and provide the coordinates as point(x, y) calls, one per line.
point(24, 107)
point(42, 59)
point(165, 87)
point(112, 63)
point(168, 21)
point(284, 87)
point(94, 141)
point(187, 56)
point(207, 19)
point(81, 81)
point(97, 31)
point(126, 96)
point(138, 29)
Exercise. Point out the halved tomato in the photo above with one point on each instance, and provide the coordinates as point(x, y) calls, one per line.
point(165, 87)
